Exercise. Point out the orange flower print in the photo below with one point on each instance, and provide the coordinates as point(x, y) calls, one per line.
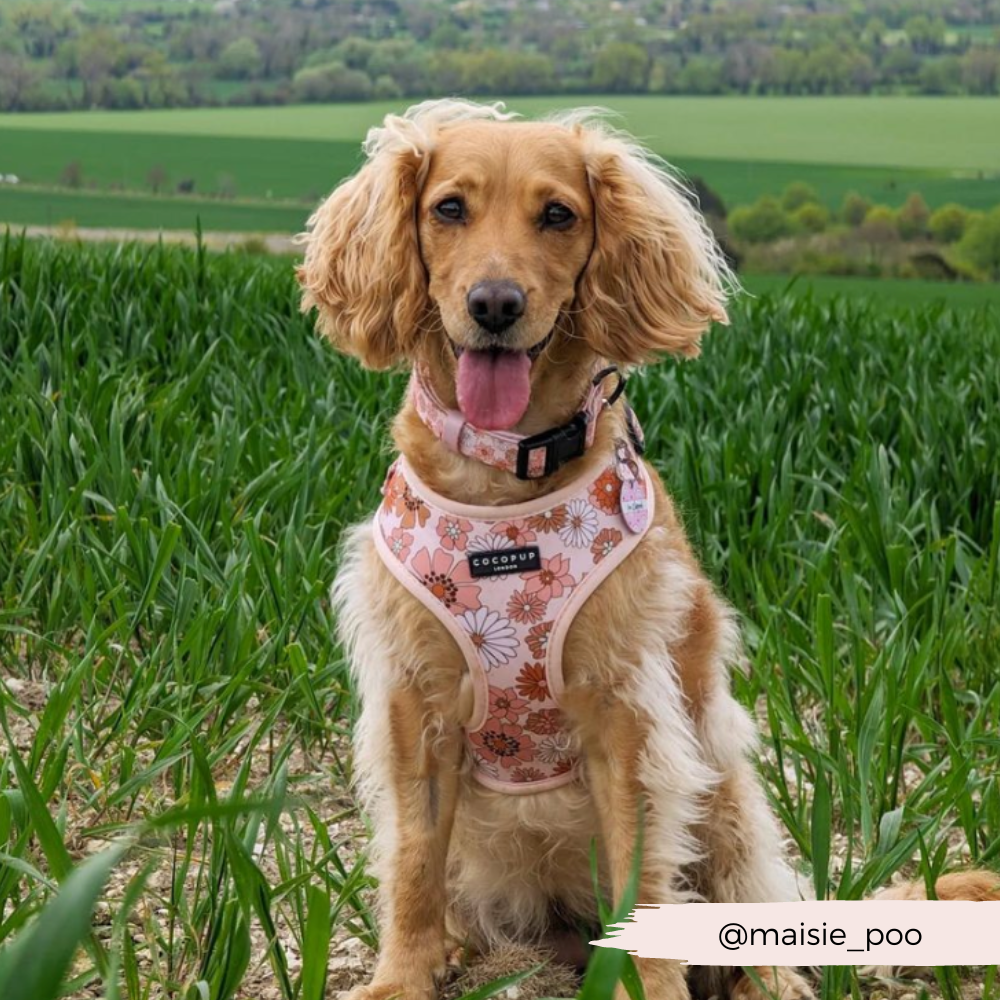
point(504, 743)
point(506, 705)
point(538, 640)
point(532, 683)
point(399, 543)
point(392, 490)
point(548, 520)
point(544, 722)
point(564, 766)
point(606, 491)
point(552, 580)
point(526, 608)
point(525, 774)
point(412, 510)
point(605, 543)
point(516, 532)
point(453, 532)
point(450, 583)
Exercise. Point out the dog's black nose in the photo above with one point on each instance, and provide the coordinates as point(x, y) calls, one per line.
point(496, 305)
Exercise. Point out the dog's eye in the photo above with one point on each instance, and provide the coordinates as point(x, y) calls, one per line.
point(557, 216)
point(450, 210)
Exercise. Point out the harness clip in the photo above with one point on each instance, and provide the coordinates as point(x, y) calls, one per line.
point(561, 444)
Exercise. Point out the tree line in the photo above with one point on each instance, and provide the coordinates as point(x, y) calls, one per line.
point(950, 242)
point(54, 55)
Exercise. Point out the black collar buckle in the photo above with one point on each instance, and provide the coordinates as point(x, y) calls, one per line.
point(561, 444)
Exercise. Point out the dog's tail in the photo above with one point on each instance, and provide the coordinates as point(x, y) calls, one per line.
point(975, 885)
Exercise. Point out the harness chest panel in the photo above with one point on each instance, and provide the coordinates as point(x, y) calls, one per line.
point(507, 583)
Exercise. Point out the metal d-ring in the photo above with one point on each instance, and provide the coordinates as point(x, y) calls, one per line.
point(618, 390)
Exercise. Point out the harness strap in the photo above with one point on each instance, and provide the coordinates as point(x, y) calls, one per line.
point(527, 457)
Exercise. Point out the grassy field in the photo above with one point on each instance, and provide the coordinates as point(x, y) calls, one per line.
point(959, 133)
point(948, 149)
point(180, 454)
point(880, 294)
point(68, 209)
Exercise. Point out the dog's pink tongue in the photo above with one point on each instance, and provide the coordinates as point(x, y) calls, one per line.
point(493, 387)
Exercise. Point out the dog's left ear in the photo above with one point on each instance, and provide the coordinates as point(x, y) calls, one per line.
point(362, 270)
point(656, 279)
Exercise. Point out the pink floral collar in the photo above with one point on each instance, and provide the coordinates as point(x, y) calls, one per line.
point(527, 457)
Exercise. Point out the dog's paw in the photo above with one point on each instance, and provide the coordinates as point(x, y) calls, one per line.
point(779, 984)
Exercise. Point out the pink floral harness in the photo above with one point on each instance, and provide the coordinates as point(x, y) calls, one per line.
point(507, 583)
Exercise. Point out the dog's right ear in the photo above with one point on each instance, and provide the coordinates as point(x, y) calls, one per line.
point(362, 270)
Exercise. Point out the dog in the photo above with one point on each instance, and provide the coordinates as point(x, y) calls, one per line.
point(519, 270)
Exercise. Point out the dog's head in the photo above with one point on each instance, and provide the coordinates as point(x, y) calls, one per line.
point(500, 250)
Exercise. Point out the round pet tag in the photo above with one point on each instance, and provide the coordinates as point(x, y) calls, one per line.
point(635, 504)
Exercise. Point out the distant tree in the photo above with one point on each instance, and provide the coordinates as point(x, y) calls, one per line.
point(356, 53)
point(783, 71)
point(854, 208)
point(98, 56)
point(385, 88)
point(157, 177)
point(122, 94)
point(912, 218)
point(762, 222)
point(924, 35)
point(72, 175)
point(17, 77)
point(947, 224)
point(621, 68)
point(879, 226)
point(663, 73)
point(874, 33)
point(981, 70)
point(797, 194)
point(831, 69)
point(900, 65)
point(811, 217)
point(940, 76)
point(980, 245)
point(447, 35)
point(701, 75)
point(241, 59)
point(333, 82)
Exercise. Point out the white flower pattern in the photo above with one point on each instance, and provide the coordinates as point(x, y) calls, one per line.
point(581, 524)
point(492, 635)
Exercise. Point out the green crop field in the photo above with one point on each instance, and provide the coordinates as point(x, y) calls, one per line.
point(66, 208)
point(881, 294)
point(959, 133)
point(948, 149)
point(179, 456)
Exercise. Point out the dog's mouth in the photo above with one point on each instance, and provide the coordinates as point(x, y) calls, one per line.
point(493, 386)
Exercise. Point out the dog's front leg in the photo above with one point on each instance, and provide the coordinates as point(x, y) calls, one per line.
point(422, 776)
point(618, 761)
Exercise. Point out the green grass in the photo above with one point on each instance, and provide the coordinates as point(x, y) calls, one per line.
point(55, 208)
point(960, 133)
point(179, 456)
point(879, 293)
point(286, 168)
point(946, 149)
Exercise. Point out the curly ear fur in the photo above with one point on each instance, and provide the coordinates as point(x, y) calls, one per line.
point(656, 279)
point(362, 269)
